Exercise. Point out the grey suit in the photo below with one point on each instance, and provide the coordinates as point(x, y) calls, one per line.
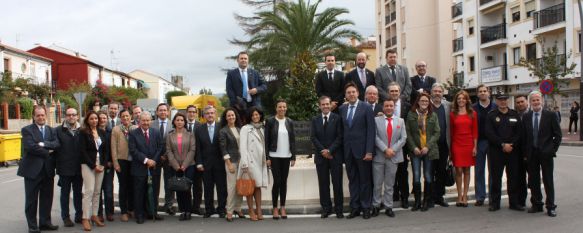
point(385, 169)
point(383, 77)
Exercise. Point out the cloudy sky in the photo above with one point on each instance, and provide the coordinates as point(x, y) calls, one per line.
point(182, 37)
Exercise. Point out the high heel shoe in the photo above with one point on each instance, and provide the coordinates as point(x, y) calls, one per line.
point(229, 217)
point(252, 216)
point(275, 213)
point(283, 213)
point(96, 221)
point(239, 214)
point(86, 224)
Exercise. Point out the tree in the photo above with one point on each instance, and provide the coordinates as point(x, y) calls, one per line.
point(205, 91)
point(553, 67)
point(291, 38)
point(171, 94)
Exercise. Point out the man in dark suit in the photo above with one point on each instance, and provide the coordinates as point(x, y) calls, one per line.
point(392, 72)
point(361, 76)
point(136, 112)
point(326, 135)
point(69, 166)
point(372, 98)
point(421, 82)
point(330, 83)
point(145, 146)
point(541, 139)
point(210, 161)
point(164, 126)
point(37, 166)
point(191, 125)
point(401, 187)
point(359, 135)
point(244, 85)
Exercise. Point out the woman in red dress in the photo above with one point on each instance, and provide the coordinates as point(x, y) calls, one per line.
point(464, 137)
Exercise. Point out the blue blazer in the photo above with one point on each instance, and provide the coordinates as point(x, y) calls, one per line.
point(358, 139)
point(35, 157)
point(235, 86)
point(139, 150)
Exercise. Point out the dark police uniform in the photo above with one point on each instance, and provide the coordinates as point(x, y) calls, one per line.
point(504, 128)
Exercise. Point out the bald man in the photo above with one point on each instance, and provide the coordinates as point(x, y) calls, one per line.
point(361, 76)
point(421, 82)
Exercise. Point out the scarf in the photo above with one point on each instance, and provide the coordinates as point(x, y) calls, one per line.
point(422, 120)
point(125, 131)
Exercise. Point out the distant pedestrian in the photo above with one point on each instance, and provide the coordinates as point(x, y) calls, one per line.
point(574, 118)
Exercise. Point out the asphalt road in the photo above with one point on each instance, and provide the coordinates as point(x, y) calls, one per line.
point(568, 180)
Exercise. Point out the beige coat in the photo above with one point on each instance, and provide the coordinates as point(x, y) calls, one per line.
point(252, 149)
point(119, 144)
point(185, 159)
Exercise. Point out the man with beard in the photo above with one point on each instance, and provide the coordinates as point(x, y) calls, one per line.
point(361, 76)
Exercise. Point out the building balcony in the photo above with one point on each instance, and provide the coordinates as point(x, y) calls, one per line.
point(457, 10)
point(493, 35)
point(559, 61)
point(458, 45)
point(549, 19)
point(390, 18)
point(388, 43)
point(493, 74)
point(489, 4)
point(393, 40)
point(458, 79)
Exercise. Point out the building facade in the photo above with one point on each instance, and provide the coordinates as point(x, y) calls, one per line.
point(156, 87)
point(22, 64)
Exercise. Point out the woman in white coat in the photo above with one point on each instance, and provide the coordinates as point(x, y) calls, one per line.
point(253, 160)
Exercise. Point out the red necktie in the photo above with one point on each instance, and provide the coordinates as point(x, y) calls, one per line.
point(389, 130)
point(147, 137)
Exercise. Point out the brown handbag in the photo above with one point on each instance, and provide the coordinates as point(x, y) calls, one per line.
point(245, 185)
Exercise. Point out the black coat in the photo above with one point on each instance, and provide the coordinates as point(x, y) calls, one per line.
point(353, 76)
point(68, 155)
point(271, 131)
point(417, 84)
point(229, 144)
point(139, 150)
point(208, 153)
point(89, 150)
point(549, 136)
point(35, 157)
point(331, 88)
point(327, 138)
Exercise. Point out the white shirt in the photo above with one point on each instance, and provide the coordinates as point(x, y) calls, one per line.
point(283, 148)
point(325, 115)
point(328, 73)
point(397, 109)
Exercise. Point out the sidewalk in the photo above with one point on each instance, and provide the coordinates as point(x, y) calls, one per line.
point(571, 139)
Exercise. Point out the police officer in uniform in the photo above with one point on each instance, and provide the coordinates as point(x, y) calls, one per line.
point(503, 131)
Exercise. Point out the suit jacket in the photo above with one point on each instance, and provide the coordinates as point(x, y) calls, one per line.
point(358, 139)
point(89, 151)
point(353, 76)
point(383, 78)
point(549, 136)
point(119, 144)
point(432, 134)
point(186, 158)
point(417, 84)
point(117, 122)
point(229, 144)
point(378, 108)
point(167, 128)
point(140, 150)
point(67, 156)
point(208, 154)
point(235, 86)
point(35, 157)
point(331, 88)
point(196, 125)
point(327, 138)
point(398, 139)
point(447, 107)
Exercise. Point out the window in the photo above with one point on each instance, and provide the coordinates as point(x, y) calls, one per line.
point(471, 27)
point(529, 8)
point(472, 65)
point(516, 53)
point(579, 41)
point(515, 14)
point(7, 65)
point(531, 51)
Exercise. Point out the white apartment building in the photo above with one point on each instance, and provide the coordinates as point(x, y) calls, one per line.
point(156, 87)
point(22, 64)
point(490, 37)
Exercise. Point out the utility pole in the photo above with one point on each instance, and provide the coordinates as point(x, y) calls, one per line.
point(580, 66)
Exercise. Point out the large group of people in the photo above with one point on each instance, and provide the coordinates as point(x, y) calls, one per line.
point(373, 123)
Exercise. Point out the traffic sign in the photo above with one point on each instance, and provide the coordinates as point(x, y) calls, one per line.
point(546, 87)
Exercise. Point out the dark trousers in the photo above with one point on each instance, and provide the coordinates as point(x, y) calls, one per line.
point(76, 183)
point(215, 176)
point(401, 187)
point(497, 161)
point(125, 187)
point(280, 171)
point(184, 198)
point(169, 195)
point(326, 169)
point(517, 191)
point(107, 192)
point(38, 194)
point(359, 182)
point(141, 198)
point(196, 190)
point(156, 180)
point(535, 165)
point(571, 121)
point(439, 173)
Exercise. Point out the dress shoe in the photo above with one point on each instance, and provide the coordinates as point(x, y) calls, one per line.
point(140, 220)
point(207, 215)
point(124, 218)
point(405, 204)
point(182, 217)
point(366, 214)
point(517, 207)
point(109, 218)
point(552, 213)
point(493, 208)
point(188, 216)
point(33, 230)
point(353, 214)
point(170, 211)
point(68, 223)
point(389, 212)
point(48, 227)
point(78, 220)
point(339, 214)
point(441, 203)
point(324, 214)
point(375, 211)
point(86, 224)
point(479, 203)
point(535, 209)
point(96, 221)
point(198, 212)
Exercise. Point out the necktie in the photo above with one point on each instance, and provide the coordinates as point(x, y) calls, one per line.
point(42, 131)
point(423, 79)
point(162, 130)
point(394, 76)
point(189, 127)
point(535, 130)
point(245, 83)
point(350, 115)
point(363, 78)
point(330, 76)
point(147, 137)
point(389, 130)
point(325, 121)
point(112, 123)
point(211, 132)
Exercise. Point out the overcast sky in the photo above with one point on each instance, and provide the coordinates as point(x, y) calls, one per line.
point(182, 37)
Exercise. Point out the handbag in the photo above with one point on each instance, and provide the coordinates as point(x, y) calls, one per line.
point(179, 183)
point(245, 185)
point(449, 174)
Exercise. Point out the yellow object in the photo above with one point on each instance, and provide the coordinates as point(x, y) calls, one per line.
point(10, 147)
point(200, 101)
